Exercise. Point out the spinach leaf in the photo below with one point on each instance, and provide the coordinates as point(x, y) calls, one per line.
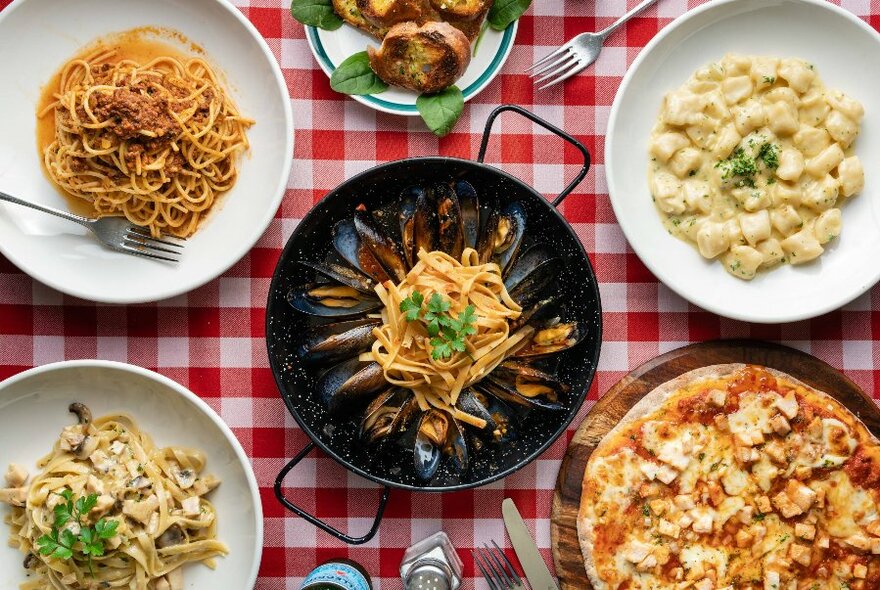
point(355, 76)
point(504, 12)
point(316, 13)
point(441, 110)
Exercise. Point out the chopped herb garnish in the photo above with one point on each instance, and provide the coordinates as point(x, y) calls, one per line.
point(448, 333)
point(62, 543)
point(769, 79)
point(769, 153)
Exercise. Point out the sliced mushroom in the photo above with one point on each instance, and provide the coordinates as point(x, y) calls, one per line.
point(140, 482)
point(13, 496)
point(173, 535)
point(30, 561)
point(185, 478)
point(16, 475)
point(83, 414)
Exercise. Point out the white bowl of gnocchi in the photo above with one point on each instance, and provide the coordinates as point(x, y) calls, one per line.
point(737, 157)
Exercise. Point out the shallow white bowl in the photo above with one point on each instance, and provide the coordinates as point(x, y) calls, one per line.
point(843, 49)
point(33, 410)
point(331, 48)
point(36, 38)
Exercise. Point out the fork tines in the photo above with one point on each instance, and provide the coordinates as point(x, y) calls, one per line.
point(139, 241)
point(496, 568)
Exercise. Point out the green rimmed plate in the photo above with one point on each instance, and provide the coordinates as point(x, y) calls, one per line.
point(332, 47)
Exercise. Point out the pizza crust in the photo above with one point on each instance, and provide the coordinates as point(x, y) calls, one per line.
point(651, 402)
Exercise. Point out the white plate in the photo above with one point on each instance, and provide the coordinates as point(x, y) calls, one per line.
point(33, 410)
point(843, 49)
point(42, 35)
point(331, 48)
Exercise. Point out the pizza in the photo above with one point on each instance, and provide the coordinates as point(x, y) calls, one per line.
point(733, 477)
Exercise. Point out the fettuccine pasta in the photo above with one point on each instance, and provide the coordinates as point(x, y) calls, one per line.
point(403, 348)
point(155, 497)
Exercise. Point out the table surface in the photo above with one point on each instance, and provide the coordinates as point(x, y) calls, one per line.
point(212, 340)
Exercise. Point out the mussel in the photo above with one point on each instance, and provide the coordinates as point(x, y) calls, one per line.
point(429, 442)
point(525, 385)
point(406, 216)
point(384, 249)
point(531, 273)
point(348, 243)
point(470, 212)
point(502, 237)
point(345, 386)
point(331, 343)
point(449, 221)
point(553, 337)
point(343, 274)
point(426, 224)
point(387, 415)
point(331, 300)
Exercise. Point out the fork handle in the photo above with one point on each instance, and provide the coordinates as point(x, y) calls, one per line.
point(607, 31)
point(50, 210)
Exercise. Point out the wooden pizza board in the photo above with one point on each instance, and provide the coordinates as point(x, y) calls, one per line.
point(612, 406)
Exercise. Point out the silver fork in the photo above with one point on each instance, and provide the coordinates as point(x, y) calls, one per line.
point(578, 53)
point(496, 568)
point(117, 233)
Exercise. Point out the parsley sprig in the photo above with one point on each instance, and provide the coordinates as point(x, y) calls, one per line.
point(62, 543)
point(448, 332)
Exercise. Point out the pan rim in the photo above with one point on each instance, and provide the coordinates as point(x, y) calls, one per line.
point(590, 280)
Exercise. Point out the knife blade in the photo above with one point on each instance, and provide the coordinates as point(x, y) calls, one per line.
point(526, 550)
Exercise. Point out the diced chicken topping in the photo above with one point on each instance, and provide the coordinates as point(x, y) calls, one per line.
point(142, 510)
point(858, 541)
point(800, 494)
point(718, 397)
point(788, 405)
point(636, 551)
point(800, 554)
point(191, 506)
point(780, 425)
point(806, 532)
point(667, 528)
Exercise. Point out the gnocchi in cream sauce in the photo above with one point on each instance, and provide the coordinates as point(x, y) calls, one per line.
point(751, 160)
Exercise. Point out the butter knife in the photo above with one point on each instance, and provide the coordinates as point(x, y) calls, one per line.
point(526, 550)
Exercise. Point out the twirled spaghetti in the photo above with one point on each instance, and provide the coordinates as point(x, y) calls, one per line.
point(155, 495)
point(403, 348)
point(156, 141)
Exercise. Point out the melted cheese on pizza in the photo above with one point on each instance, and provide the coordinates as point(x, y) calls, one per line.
point(738, 483)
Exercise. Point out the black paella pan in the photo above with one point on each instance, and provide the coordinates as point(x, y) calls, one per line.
point(574, 290)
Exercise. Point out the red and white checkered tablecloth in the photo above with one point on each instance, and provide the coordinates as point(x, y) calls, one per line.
point(212, 340)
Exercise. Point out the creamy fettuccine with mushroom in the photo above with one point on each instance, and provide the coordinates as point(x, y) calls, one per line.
point(108, 509)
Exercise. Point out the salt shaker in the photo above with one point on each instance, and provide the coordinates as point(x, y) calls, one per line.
point(431, 564)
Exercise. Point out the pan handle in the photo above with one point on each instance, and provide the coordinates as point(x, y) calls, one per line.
point(487, 131)
point(314, 519)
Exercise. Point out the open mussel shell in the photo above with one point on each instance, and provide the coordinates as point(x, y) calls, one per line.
point(531, 273)
point(347, 385)
point(470, 212)
point(475, 404)
point(383, 248)
point(331, 300)
point(502, 237)
point(426, 224)
point(457, 446)
point(449, 221)
point(386, 416)
point(539, 314)
point(334, 342)
point(343, 274)
point(353, 250)
point(507, 391)
point(406, 217)
point(430, 439)
point(551, 338)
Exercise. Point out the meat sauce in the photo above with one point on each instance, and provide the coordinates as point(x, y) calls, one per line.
point(141, 45)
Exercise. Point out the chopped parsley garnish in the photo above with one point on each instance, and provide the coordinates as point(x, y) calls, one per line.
point(737, 164)
point(448, 332)
point(769, 79)
point(769, 153)
point(645, 510)
point(62, 543)
point(759, 516)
